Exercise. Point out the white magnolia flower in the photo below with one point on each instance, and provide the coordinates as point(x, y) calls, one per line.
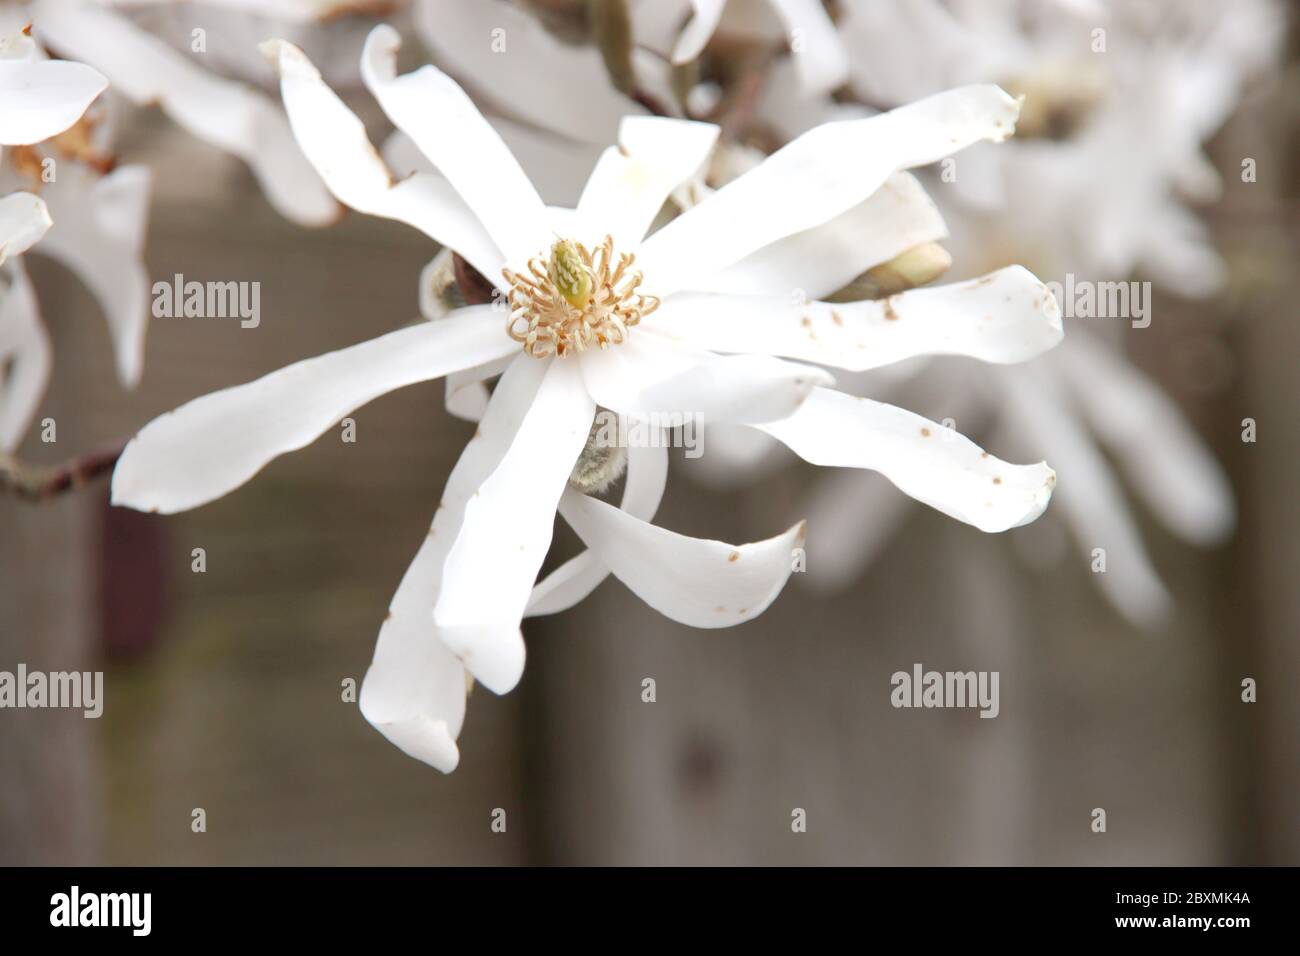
point(231, 115)
point(57, 186)
point(1075, 196)
point(594, 313)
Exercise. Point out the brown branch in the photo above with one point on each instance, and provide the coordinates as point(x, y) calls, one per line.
point(40, 483)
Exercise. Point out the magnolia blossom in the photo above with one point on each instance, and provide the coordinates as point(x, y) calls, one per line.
point(595, 311)
point(231, 115)
point(58, 186)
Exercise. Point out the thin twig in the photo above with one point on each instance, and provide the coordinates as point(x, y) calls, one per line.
point(40, 483)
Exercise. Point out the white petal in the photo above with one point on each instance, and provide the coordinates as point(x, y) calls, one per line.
point(819, 55)
point(820, 175)
point(25, 350)
point(696, 582)
point(516, 67)
point(231, 116)
point(430, 108)
point(43, 97)
point(824, 259)
point(336, 144)
point(1090, 499)
point(1005, 317)
point(647, 475)
point(212, 445)
point(1159, 452)
point(696, 34)
point(647, 374)
point(632, 181)
point(24, 219)
point(933, 464)
point(507, 528)
point(414, 691)
point(99, 233)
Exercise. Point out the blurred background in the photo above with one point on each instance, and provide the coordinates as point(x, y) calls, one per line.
point(223, 689)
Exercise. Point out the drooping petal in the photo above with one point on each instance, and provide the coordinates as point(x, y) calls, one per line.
point(336, 144)
point(647, 475)
point(506, 531)
point(24, 219)
point(647, 375)
point(1005, 317)
point(98, 233)
point(232, 116)
point(43, 97)
point(414, 691)
point(1159, 452)
point(24, 355)
point(820, 175)
point(696, 582)
point(443, 121)
point(819, 54)
point(824, 259)
point(935, 465)
point(1090, 498)
point(632, 180)
point(212, 445)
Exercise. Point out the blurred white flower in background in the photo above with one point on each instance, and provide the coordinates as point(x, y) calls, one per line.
point(231, 115)
point(58, 186)
point(1119, 99)
point(591, 313)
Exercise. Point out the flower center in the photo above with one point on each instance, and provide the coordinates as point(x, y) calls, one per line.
point(574, 299)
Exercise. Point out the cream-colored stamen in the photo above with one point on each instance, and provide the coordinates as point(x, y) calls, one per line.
point(573, 300)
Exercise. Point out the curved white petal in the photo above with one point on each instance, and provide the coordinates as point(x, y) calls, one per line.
point(824, 259)
point(820, 175)
point(1089, 499)
point(698, 30)
point(694, 581)
point(819, 55)
point(335, 142)
point(25, 355)
point(647, 476)
point(647, 375)
point(514, 66)
point(212, 445)
point(1159, 452)
point(231, 116)
point(98, 233)
point(1005, 317)
point(632, 181)
point(935, 465)
point(24, 219)
point(434, 111)
point(414, 692)
point(42, 98)
point(506, 531)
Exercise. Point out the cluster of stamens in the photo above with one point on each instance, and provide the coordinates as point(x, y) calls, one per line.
point(575, 300)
